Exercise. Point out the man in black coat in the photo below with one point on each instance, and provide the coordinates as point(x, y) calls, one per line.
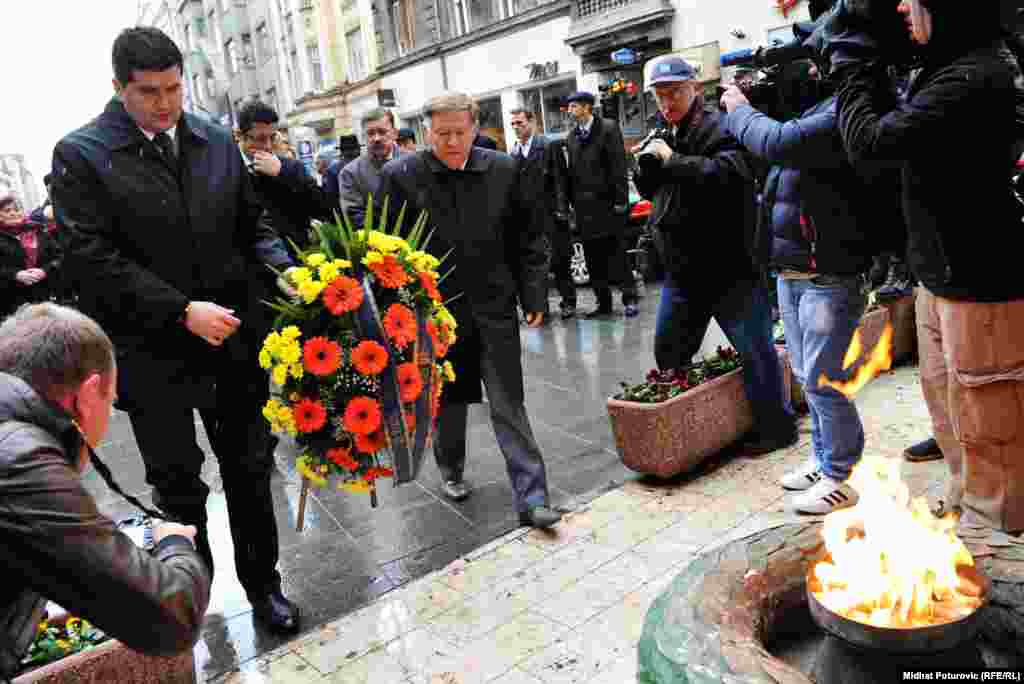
point(542, 186)
point(163, 241)
point(471, 196)
point(599, 191)
point(702, 185)
point(291, 197)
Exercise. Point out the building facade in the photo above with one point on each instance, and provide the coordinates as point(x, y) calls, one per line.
point(16, 179)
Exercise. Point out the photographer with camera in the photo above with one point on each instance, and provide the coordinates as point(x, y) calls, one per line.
point(702, 185)
point(970, 307)
point(58, 381)
point(816, 235)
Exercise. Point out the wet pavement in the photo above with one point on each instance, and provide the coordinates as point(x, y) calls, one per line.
point(348, 554)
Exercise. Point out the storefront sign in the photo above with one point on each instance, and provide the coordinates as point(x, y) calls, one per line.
point(539, 72)
point(624, 56)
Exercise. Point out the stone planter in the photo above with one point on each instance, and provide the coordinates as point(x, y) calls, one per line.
point(112, 661)
point(675, 436)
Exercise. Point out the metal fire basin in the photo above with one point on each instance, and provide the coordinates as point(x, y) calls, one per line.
point(906, 640)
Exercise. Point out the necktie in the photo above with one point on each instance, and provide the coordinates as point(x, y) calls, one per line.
point(166, 145)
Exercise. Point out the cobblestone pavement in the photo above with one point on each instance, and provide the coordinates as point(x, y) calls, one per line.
point(424, 590)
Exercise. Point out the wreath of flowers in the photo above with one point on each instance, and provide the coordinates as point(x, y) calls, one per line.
point(327, 375)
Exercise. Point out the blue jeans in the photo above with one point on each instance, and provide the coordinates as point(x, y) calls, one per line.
point(744, 313)
point(820, 317)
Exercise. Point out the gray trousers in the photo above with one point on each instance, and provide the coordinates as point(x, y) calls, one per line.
point(515, 439)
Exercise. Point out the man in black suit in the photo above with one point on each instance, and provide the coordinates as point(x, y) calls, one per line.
point(542, 187)
point(485, 142)
point(599, 191)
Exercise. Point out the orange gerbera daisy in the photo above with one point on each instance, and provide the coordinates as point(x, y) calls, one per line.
point(343, 294)
point(429, 283)
point(310, 415)
point(443, 341)
point(369, 357)
point(377, 472)
point(321, 355)
point(342, 458)
point(410, 384)
point(410, 419)
point(371, 443)
point(400, 325)
point(362, 416)
point(390, 272)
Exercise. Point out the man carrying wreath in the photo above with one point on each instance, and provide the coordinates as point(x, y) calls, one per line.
point(471, 197)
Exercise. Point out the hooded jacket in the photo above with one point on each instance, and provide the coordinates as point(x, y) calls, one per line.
point(55, 545)
point(955, 138)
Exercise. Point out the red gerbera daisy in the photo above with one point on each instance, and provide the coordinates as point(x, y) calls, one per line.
point(362, 416)
point(343, 458)
point(369, 357)
point(410, 384)
point(410, 420)
point(443, 341)
point(343, 294)
point(310, 415)
point(400, 325)
point(390, 272)
point(371, 443)
point(378, 472)
point(429, 284)
point(321, 355)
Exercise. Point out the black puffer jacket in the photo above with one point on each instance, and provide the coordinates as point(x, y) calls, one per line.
point(955, 136)
point(55, 545)
point(12, 259)
point(705, 209)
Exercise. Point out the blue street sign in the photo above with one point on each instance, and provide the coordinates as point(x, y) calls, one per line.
point(624, 56)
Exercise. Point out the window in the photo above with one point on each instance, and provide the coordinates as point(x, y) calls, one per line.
point(356, 59)
point(197, 91)
point(187, 39)
point(460, 18)
point(231, 58)
point(264, 46)
point(546, 104)
point(587, 8)
point(271, 99)
point(248, 57)
point(403, 20)
point(313, 52)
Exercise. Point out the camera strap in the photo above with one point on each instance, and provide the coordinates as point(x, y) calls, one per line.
point(108, 478)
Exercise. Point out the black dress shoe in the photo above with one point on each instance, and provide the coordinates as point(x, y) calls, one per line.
point(928, 450)
point(456, 490)
point(599, 312)
point(276, 612)
point(540, 516)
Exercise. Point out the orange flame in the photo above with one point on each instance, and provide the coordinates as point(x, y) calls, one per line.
point(878, 360)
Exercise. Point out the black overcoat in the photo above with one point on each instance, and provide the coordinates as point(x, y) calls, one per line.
point(144, 240)
point(597, 180)
point(497, 254)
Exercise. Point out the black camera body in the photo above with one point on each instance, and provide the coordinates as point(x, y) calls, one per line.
point(660, 132)
point(140, 530)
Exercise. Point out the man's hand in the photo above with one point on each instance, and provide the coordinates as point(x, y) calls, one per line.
point(733, 98)
point(211, 322)
point(535, 319)
point(265, 164)
point(162, 529)
point(30, 276)
point(660, 149)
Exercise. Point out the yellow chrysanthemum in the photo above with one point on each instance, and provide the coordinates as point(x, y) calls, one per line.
point(290, 353)
point(303, 466)
point(272, 343)
point(73, 623)
point(271, 409)
point(386, 243)
point(301, 275)
point(315, 259)
point(445, 316)
point(422, 261)
point(355, 486)
point(310, 290)
point(372, 258)
point(64, 644)
point(297, 371)
point(266, 360)
point(343, 263)
point(328, 272)
point(449, 371)
point(279, 375)
point(291, 333)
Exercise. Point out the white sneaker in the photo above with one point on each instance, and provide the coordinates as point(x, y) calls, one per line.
point(824, 497)
point(804, 477)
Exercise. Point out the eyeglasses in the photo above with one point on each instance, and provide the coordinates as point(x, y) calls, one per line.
point(260, 139)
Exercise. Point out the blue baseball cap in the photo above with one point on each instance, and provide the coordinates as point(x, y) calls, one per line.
point(669, 69)
point(581, 96)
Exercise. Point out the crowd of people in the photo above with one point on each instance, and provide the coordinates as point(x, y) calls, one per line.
point(813, 201)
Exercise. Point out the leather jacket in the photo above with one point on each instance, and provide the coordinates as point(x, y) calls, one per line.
point(55, 545)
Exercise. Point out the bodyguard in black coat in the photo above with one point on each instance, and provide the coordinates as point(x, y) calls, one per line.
point(599, 192)
point(472, 198)
point(543, 191)
point(163, 239)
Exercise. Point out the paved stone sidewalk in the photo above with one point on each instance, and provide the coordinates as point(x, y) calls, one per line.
point(568, 606)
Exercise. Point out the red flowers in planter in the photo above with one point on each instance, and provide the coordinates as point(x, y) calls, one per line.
point(662, 385)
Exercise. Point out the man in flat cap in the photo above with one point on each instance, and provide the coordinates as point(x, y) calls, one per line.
point(599, 192)
point(406, 140)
